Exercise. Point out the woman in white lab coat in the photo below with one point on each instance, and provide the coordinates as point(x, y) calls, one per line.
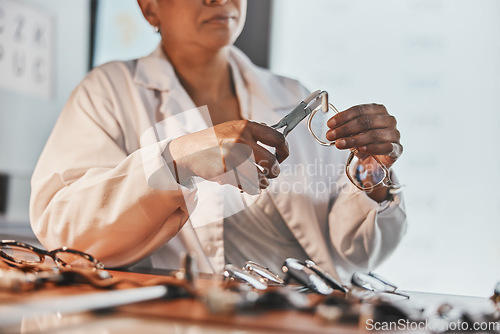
point(141, 163)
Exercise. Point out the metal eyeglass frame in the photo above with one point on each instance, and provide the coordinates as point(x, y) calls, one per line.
point(232, 272)
point(318, 101)
point(270, 278)
point(375, 283)
point(255, 274)
point(311, 276)
point(97, 265)
point(336, 285)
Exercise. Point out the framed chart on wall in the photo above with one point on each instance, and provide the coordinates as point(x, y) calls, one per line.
point(26, 49)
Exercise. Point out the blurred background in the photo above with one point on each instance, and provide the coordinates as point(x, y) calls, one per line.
point(435, 64)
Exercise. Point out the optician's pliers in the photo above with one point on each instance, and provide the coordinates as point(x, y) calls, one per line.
point(305, 108)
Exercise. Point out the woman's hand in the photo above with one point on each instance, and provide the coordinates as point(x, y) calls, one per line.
point(231, 147)
point(370, 129)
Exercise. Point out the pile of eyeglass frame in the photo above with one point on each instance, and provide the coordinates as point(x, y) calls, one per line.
point(307, 287)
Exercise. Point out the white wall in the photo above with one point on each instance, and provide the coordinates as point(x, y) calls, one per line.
point(436, 65)
point(122, 32)
point(25, 121)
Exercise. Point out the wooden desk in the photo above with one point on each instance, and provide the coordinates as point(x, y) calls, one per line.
point(186, 315)
point(183, 315)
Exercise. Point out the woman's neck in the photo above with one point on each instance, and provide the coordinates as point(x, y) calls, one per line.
point(205, 75)
point(207, 79)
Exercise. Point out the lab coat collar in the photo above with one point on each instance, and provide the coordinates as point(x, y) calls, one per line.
point(155, 71)
point(259, 94)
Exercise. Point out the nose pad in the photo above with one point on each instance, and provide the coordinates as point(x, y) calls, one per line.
point(214, 2)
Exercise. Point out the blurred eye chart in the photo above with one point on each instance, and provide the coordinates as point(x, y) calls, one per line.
point(26, 49)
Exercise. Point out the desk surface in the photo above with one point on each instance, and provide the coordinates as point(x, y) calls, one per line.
point(184, 315)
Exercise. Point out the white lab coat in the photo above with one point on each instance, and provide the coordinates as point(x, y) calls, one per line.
point(101, 187)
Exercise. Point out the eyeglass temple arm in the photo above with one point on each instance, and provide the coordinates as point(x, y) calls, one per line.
point(316, 98)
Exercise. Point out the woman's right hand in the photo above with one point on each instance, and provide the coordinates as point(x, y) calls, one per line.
point(231, 147)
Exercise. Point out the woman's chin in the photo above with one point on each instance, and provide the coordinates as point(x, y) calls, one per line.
point(218, 43)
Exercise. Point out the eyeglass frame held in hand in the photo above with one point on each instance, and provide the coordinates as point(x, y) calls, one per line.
point(316, 102)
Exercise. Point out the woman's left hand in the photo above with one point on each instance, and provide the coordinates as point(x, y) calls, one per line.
point(368, 128)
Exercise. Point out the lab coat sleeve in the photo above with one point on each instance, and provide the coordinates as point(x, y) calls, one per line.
point(363, 232)
point(88, 193)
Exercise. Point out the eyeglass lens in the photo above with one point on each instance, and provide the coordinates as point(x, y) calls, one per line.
point(20, 254)
point(317, 124)
point(332, 282)
point(304, 275)
point(383, 279)
point(365, 171)
point(369, 283)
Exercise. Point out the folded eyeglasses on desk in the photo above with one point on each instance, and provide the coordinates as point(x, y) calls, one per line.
point(302, 286)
